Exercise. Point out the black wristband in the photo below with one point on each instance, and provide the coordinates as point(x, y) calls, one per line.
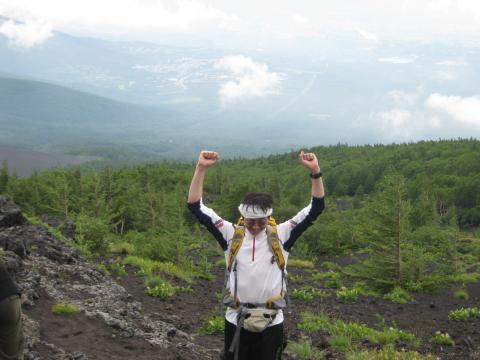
point(317, 175)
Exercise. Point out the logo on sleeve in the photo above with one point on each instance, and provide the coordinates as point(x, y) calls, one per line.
point(219, 224)
point(292, 224)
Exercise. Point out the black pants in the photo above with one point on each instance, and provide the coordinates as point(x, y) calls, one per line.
point(11, 331)
point(266, 345)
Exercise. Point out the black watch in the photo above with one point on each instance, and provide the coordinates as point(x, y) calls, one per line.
point(317, 175)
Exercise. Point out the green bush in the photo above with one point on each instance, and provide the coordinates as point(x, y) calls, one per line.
point(92, 234)
point(213, 325)
point(442, 339)
point(122, 247)
point(118, 269)
point(398, 296)
point(464, 314)
point(461, 294)
point(158, 287)
point(65, 309)
point(347, 294)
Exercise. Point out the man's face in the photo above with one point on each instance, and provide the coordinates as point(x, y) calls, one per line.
point(256, 226)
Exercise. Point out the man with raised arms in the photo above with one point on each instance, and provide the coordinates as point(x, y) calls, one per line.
point(256, 252)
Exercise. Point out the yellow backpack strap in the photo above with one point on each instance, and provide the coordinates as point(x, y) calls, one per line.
point(275, 244)
point(236, 244)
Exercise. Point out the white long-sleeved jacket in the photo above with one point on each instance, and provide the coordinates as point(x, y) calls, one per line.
point(258, 279)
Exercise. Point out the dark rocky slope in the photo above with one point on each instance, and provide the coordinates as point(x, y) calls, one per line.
point(111, 324)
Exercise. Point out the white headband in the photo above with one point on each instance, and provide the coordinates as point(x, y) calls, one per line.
point(254, 212)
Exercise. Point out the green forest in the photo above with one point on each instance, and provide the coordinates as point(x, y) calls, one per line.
point(410, 212)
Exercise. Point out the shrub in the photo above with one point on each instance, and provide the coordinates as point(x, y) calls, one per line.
point(158, 287)
point(308, 293)
point(65, 309)
point(347, 294)
point(103, 269)
point(118, 269)
point(122, 247)
point(213, 325)
point(398, 296)
point(304, 350)
point(464, 314)
point(442, 339)
point(92, 234)
point(461, 294)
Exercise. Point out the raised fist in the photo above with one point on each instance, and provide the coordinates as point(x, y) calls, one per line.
point(309, 160)
point(208, 158)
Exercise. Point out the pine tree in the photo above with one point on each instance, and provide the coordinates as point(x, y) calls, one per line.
point(386, 228)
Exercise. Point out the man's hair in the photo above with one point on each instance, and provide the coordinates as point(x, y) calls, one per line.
point(263, 200)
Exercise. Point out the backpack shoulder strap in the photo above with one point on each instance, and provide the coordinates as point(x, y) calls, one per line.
point(236, 244)
point(275, 246)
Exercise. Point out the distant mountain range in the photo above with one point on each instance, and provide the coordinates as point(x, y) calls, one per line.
point(94, 96)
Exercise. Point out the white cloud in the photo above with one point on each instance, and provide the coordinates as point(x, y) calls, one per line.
point(405, 99)
point(119, 17)
point(25, 35)
point(451, 63)
point(405, 125)
point(396, 60)
point(251, 79)
point(441, 6)
point(443, 76)
point(462, 109)
point(396, 123)
point(367, 35)
point(299, 19)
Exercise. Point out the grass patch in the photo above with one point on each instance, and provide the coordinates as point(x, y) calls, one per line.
point(305, 350)
point(398, 296)
point(65, 309)
point(388, 353)
point(306, 264)
point(340, 342)
point(158, 287)
point(213, 325)
point(149, 267)
point(356, 332)
point(461, 294)
point(308, 293)
point(345, 294)
point(117, 269)
point(103, 269)
point(442, 339)
point(221, 263)
point(464, 314)
point(331, 279)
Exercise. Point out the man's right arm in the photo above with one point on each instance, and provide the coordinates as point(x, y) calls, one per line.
point(205, 160)
point(220, 229)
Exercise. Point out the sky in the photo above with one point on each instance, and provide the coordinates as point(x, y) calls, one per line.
point(276, 23)
point(220, 21)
